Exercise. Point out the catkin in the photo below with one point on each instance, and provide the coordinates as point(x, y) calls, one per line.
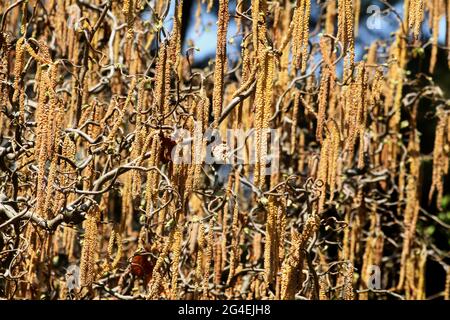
point(300, 34)
point(271, 243)
point(416, 16)
point(345, 28)
point(176, 251)
point(435, 15)
point(115, 238)
point(221, 57)
point(90, 247)
point(439, 156)
point(18, 66)
point(127, 9)
point(208, 257)
point(326, 86)
point(357, 13)
point(330, 17)
point(152, 176)
point(175, 37)
point(293, 264)
point(348, 282)
point(122, 110)
point(322, 174)
point(447, 285)
point(263, 101)
point(333, 156)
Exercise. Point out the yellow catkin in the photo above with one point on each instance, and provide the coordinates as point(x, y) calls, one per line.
point(326, 84)
point(300, 34)
point(122, 110)
point(208, 257)
point(152, 176)
point(447, 285)
point(89, 248)
point(161, 87)
point(293, 264)
point(176, 251)
point(217, 258)
point(200, 255)
point(439, 159)
point(271, 242)
point(18, 66)
point(157, 277)
point(263, 101)
point(435, 16)
point(411, 212)
point(356, 110)
point(330, 17)
point(221, 60)
point(323, 102)
point(225, 231)
point(323, 287)
point(48, 203)
point(127, 9)
point(346, 29)
point(258, 20)
point(333, 156)
point(348, 282)
point(373, 251)
point(295, 111)
point(416, 16)
point(43, 139)
point(175, 37)
point(322, 174)
point(393, 93)
point(115, 238)
point(357, 10)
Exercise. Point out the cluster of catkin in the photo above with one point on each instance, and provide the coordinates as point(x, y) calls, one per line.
point(99, 104)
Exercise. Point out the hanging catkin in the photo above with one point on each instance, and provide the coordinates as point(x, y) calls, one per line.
point(416, 16)
point(152, 176)
point(411, 212)
point(435, 15)
point(326, 85)
point(333, 156)
point(357, 7)
point(208, 257)
point(176, 251)
point(271, 243)
point(345, 28)
point(18, 66)
point(258, 22)
point(447, 285)
point(162, 84)
point(90, 247)
point(348, 282)
point(439, 159)
point(175, 37)
point(322, 174)
point(293, 264)
point(330, 18)
point(300, 34)
point(128, 11)
point(221, 60)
